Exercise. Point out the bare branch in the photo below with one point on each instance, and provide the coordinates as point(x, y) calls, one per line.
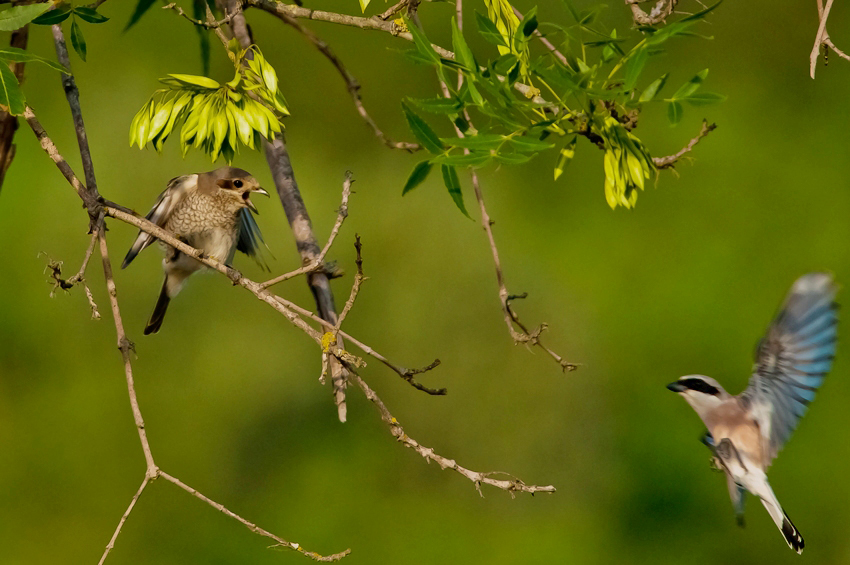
point(208, 24)
point(79, 278)
point(393, 10)
point(280, 542)
point(822, 39)
point(512, 485)
point(123, 519)
point(671, 160)
point(355, 287)
point(661, 11)
point(319, 262)
point(350, 82)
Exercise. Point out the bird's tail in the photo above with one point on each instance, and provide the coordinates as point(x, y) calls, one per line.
point(158, 314)
point(789, 531)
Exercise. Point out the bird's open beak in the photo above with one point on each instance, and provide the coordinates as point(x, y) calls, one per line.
point(251, 204)
point(676, 387)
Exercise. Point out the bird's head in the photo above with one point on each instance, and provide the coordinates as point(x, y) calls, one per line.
point(701, 392)
point(240, 184)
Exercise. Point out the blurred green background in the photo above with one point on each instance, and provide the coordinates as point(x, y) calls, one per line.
point(685, 283)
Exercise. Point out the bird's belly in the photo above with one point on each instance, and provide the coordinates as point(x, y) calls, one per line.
point(216, 242)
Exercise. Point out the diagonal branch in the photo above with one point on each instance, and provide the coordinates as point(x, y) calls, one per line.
point(822, 39)
point(511, 485)
point(670, 161)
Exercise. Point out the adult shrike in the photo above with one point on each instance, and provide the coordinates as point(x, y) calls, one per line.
point(745, 432)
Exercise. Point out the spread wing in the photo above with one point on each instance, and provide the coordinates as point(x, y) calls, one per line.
point(250, 240)
point(793, 359)
point(161, 211)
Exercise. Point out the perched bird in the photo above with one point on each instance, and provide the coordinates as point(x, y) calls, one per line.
point(210, 212)
point(746, 432)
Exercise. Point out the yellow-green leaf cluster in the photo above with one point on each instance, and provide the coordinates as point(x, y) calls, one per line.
point(627, 165)
point(216, 118)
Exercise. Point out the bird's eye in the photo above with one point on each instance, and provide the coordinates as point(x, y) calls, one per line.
point(238, 183)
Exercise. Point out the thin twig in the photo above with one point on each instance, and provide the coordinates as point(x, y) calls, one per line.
point(78, 278)
point(208, 24)
point(123, 519)
point(393, 10)
point(822, 38)
point(355, 287)
point(280, 542)
point(350, 82)
point(319, 262)
point(659, 13)
point(671, 160)
point(513, 485)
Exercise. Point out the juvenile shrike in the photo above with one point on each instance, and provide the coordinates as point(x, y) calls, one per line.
point(210, 212)
point(745, 432)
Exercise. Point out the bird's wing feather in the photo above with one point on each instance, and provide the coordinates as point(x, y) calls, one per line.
point(251, 240)
point(161, 211)
point(792, 359)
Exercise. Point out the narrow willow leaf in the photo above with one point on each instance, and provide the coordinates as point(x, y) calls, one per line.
point(489, 31)
point(90, 15)
point(422, 131)
point(704, 98)
point(529, 23)
point(438, 105)
point(19, 16)
point(691, 86)
point(77, 40)
point(57, 15)
point(653, 89)
point(15, 55)
point(364, 4)
point(674, 112)
point(513, 158)
point(565, 157)
point(472, 160)
point(634, 66)
point(462, 51)
point(529, 144)
point(700, 15)
point(194, 80)
point(423, 46)
point(483, 141)
point(10, 92)
point(417, 177)
point(160, 118)
point(142, 7)
point(453, 185)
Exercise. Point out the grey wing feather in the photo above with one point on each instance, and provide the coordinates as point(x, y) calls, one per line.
point(159, 214)
point(251, 240)
point(737, 493)
point(793, 359)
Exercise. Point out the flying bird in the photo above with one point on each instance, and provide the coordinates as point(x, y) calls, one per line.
point(209, 211)
point(746, 432)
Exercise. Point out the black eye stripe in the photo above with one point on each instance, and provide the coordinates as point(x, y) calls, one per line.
point(699, 385)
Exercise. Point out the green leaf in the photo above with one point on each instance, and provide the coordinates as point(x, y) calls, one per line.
point(417, 177)
point(529, 22)
point(702, 14)
point(422, 131)
point(57, 15)
point(704, 98)
point(194, 80)
point(453, 185)
point(77, 40)
point(513, 158)
point(438, 105)
point(652, 90)
point(423, 46)
point(364, 4)
point(565, 156)
point(90, 15)
point(19, 16)
point(462, 51)
point(471, 160)
point(529, 144)
point(10, 92)
point(634, 66)
point(484, 141)
point(691, 86)
point(489, 31)
point(142, 7)
point(15, 55)
point(674, 112)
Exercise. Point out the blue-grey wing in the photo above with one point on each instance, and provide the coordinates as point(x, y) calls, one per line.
point(250, 240)
point(793, 359)
point(161, 211)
